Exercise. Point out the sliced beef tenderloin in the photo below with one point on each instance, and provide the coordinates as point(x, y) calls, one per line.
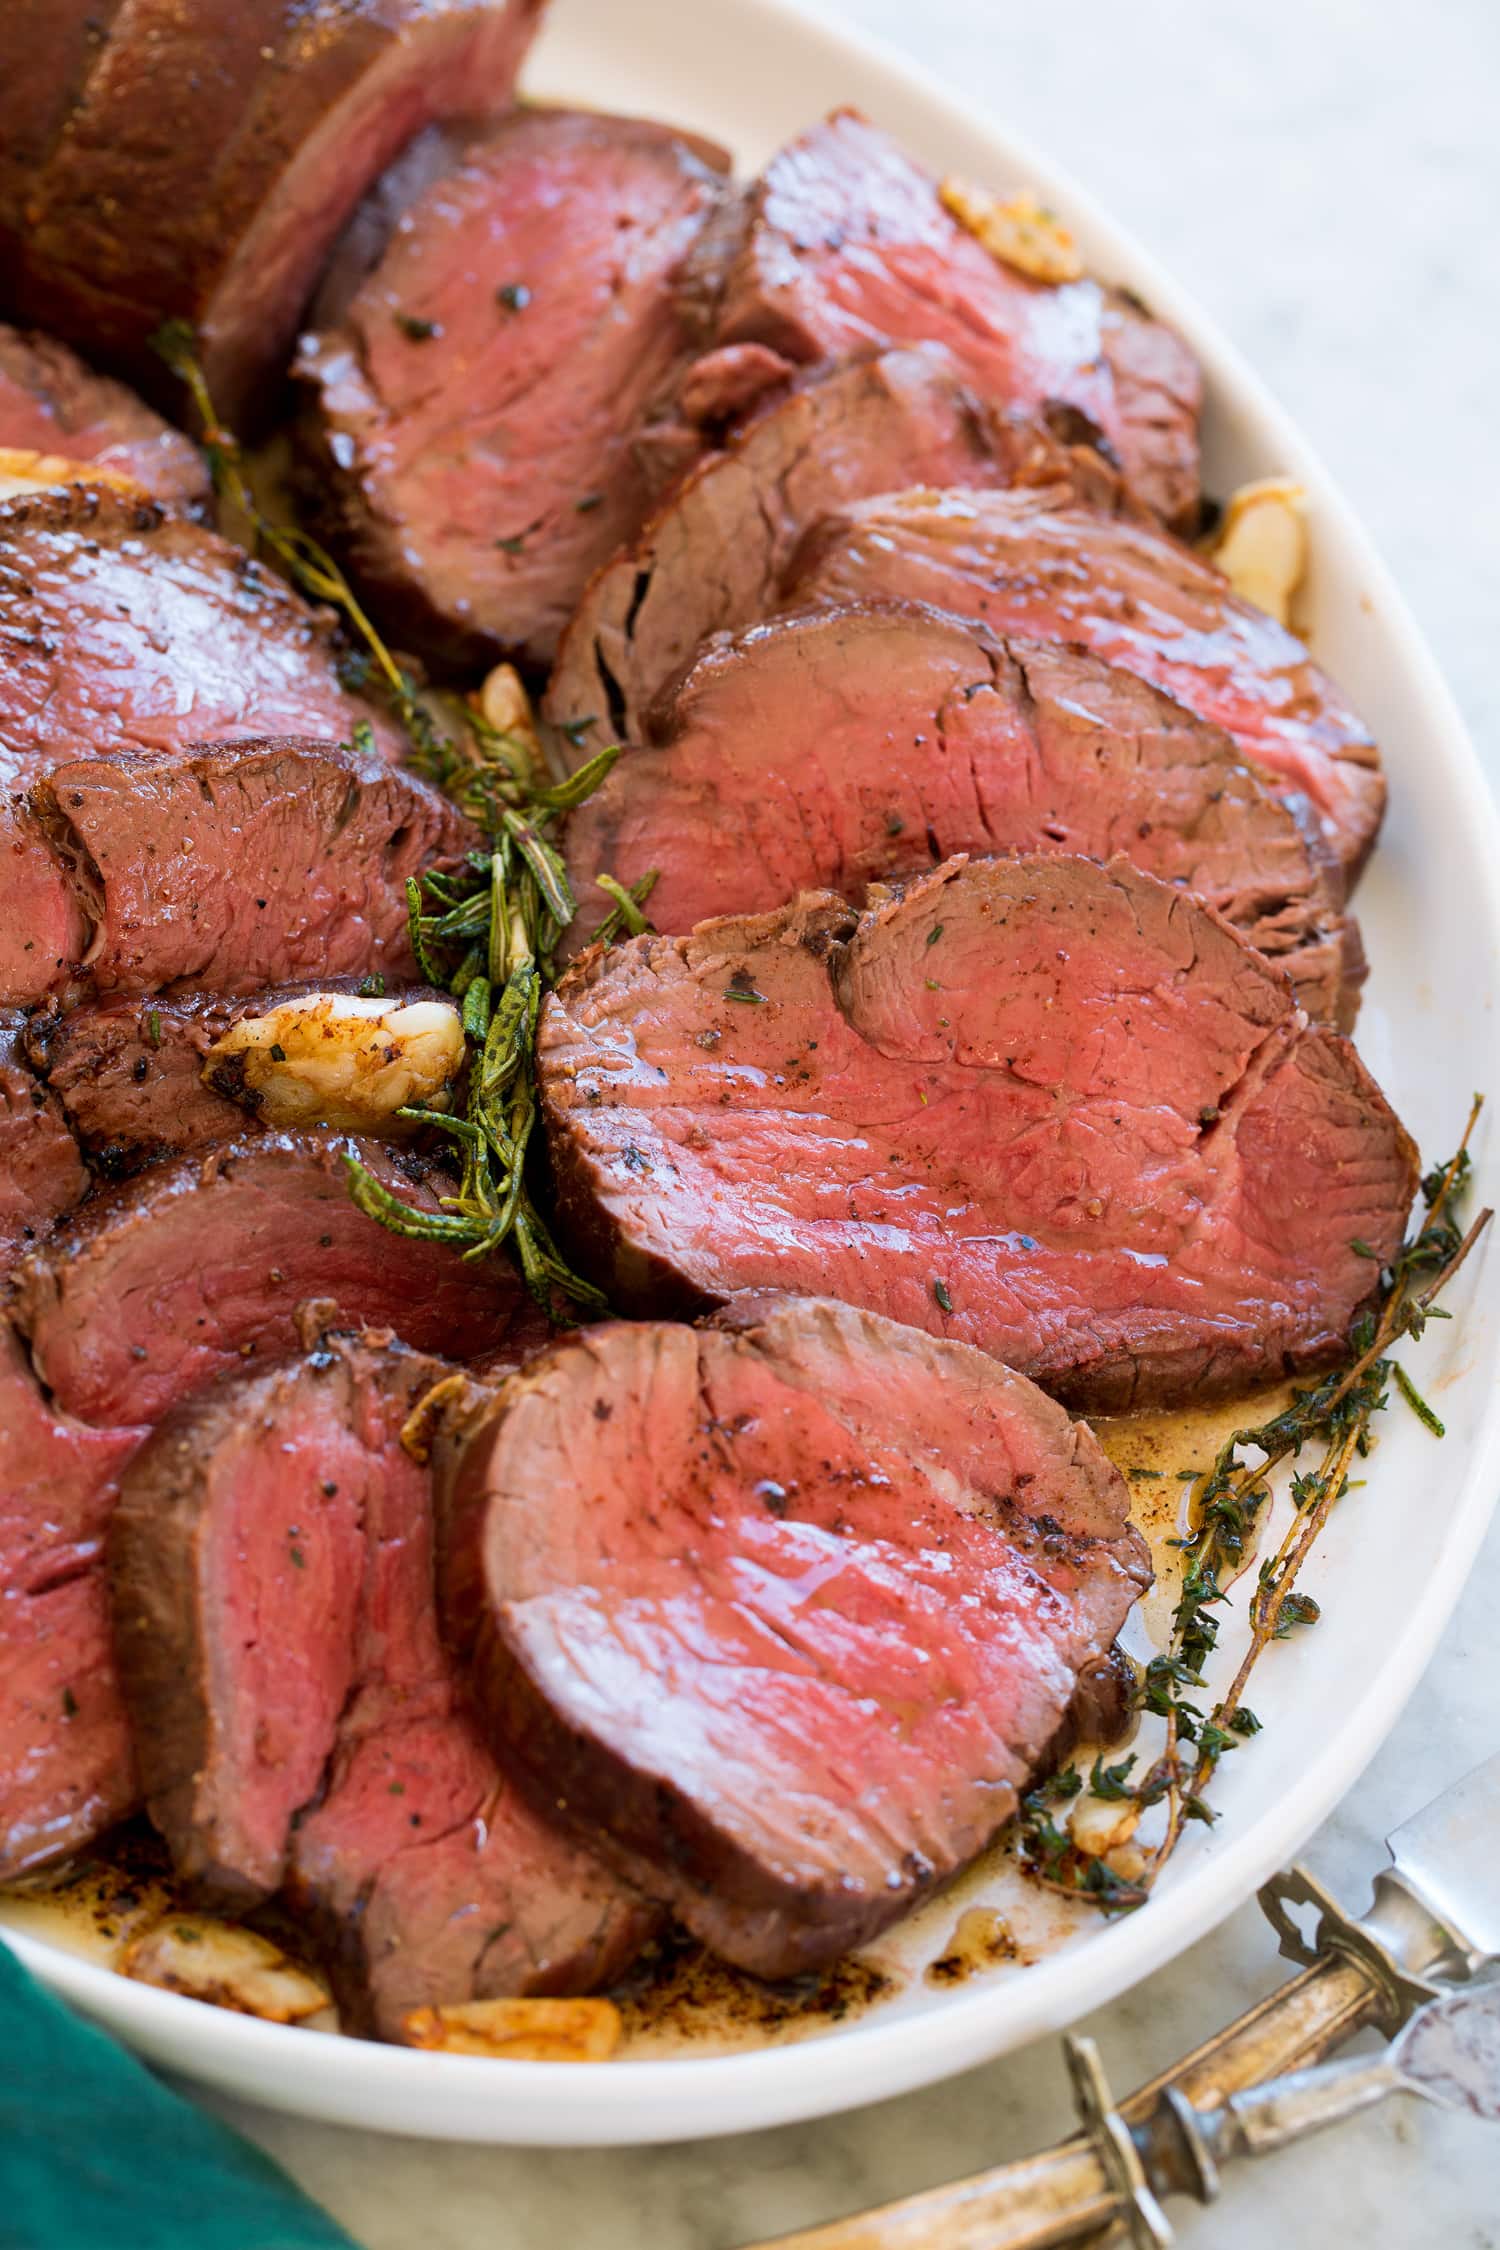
point(42, 1174)
point(1046, 565)
point(137, 1079)
point(430, 1879)
point(200, 1263)
point(196, 1269)
point(281, 114)
point(827, 750)
point(125, 631)
point(847, 242)
point(241, 865)
point(126, 628)
point(713, 556)
point(1058, 1110)
point(786, 1615)
point(472, 504)
point(67, 1771)
point(52, 404)
point(295, 1715)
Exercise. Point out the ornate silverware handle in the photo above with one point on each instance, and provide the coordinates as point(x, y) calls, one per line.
point(1355, 1975)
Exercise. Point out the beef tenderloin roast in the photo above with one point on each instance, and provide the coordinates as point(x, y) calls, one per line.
point(713, 556)
point(1055, 1109)
point(194, 1270)
point(845, 241)
point(297, 1720)
point(826, 750)
point(239, 865)
point(476, 408)
point(197, 161)
point(783, 1613)
point(1047, 565)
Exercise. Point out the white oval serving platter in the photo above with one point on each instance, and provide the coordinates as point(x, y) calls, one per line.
point(752, 72)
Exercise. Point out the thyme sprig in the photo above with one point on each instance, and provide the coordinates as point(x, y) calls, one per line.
point(487, 932)
point(1335, 1415)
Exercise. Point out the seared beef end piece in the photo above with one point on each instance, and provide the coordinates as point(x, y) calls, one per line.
point(296, 1717)
point(1058, 1110)
point(785, 1616)
point(280, 117)
point(200, 1264)
point(713, 557)
point(846, 240)
point(1046, 565)
point(132, 1074)
point(67, 1769)
point(472, 511)
point(243, 864)
point(50, 402)
point(824, 751)
point(237, 1556)
point(41, 1172)
point(51, 47)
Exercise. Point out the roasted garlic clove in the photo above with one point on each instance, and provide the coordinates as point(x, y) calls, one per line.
point(232, 1967)
point(1017, 230)
point(519, 2030)
point(505, 705)
point(1262, 546)
point(1101, 1825)
point(339, 1059)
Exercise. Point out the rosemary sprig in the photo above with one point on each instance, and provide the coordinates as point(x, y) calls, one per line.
point(486, 933)
point(1335, 1415)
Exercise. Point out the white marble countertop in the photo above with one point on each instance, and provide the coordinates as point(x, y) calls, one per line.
point(1325, 176)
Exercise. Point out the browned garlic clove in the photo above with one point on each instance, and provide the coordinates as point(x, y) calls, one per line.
point(229, 1966)
point(339, 1059)
point(1018, 230)
point(1262, 545)
point(519, 2030)
point(1100, 1825)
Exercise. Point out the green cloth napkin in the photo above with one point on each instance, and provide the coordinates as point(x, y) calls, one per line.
point(95, 2154)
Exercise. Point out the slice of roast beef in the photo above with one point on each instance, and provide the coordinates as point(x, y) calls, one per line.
point(134, 1076)
point(827, 750)
point(846, 242)
point(784, 1616)
point(42, 1174)
point(51, 403)
point(210, 157)
point(475, 409)
point(126, 628)
point(200, 1263)
point(713, 556)
point(1058, 1110)
point(1048, 566)
point(296, 1715)
point(125, 631)
point(241, 865)
point(196, 1269)
point(430, 1879)
point(66, 1767)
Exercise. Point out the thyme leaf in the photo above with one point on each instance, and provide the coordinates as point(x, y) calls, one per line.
point(487, 932)
point(1330, 1424)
